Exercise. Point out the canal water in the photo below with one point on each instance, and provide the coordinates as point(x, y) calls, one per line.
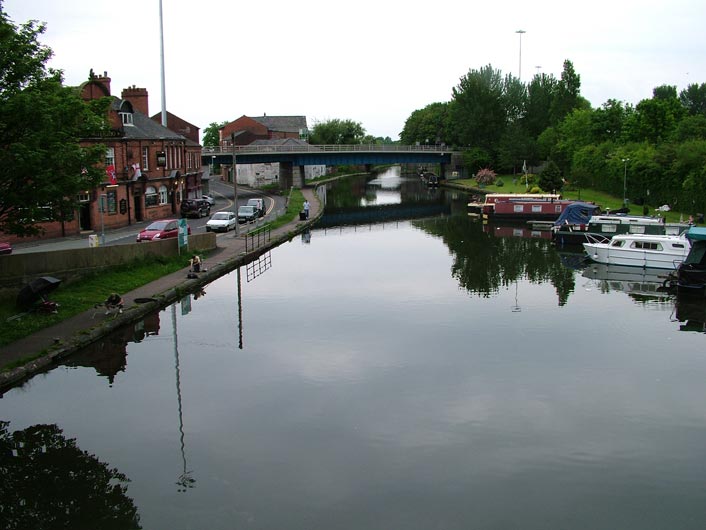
point(402, 366)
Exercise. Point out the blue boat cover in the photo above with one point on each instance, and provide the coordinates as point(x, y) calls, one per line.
point(577, 213)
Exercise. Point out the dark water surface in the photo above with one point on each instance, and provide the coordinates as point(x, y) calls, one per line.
point(426, 374)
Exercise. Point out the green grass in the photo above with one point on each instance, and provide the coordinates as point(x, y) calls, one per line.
point(294, 206)
point(79, 296)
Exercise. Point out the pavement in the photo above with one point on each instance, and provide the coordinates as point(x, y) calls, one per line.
point(42, 350)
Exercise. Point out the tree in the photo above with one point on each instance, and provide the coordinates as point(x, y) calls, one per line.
point(479, 110)
point(337, 132)
point(43, 168)
point(211, 138)
point(568, 94)
point(550, 178)
point(427, 125)
point(693, 98)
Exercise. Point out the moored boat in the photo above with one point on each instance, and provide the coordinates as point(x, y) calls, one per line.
point(640, 250)
point(522, 206)
point(691, 274)
point(583, 222)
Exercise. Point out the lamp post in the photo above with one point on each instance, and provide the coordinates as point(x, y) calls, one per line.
point(520, 32)
point(625, 180)
point(213, 163)
point(235, 187)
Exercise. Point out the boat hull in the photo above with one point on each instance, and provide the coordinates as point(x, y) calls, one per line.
point(663, 252)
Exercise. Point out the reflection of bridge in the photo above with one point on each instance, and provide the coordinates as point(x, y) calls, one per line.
point(297, 156)
point(380, 214)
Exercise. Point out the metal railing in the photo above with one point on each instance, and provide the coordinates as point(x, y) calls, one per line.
point(307, 148)
point(257, 238)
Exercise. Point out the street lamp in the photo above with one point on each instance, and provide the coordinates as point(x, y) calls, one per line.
point(213, 163)
point(520, 31)
point(625, 180)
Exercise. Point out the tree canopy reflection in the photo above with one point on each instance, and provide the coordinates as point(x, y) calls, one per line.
point(484, 263)
point(49, 483)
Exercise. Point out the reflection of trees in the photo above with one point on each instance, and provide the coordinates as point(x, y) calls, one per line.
point(483, 263)
point(47, 482)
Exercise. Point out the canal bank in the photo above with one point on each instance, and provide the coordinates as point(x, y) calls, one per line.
point(42, 350)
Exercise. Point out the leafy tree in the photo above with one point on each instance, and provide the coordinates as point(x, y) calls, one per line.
point(42, 165)
point(479, 112)
point(428, 125)
point(568, 94)
point(656, 119)
point(540, 94)
point(211, 138)
point(337, 132)
point(550, 179)
point(693, 98)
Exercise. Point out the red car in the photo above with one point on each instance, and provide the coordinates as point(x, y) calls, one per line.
point(5, 248)
point(159, 230)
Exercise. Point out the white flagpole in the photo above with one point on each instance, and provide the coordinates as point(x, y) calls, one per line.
point(161, 42)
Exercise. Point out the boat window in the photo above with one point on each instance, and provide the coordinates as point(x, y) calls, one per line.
point(557, 208)
point(609, 228)
point(677, 245)
point(617, 243)
point(647, 245)
point(536, 208)
point(519, 208)
point(637, 229)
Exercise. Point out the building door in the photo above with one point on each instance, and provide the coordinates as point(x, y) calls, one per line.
point(84, 212)
point(138, 208)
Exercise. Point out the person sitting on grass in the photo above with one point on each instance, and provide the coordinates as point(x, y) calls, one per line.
point(113, 302)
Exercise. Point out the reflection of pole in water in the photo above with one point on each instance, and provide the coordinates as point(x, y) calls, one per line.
point(240, 314)
point(516, 308)
point(185, 481)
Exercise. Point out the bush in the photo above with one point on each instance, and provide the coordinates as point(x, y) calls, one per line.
point(536, 189)
point(499, 182)
point(485, 176)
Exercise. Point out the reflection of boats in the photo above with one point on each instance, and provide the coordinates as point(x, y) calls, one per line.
point(692, 311)
point(631, 280)
point(581, 222)
point(515, 231)
point(639, 250)
point(523, 206)
point(691, 274)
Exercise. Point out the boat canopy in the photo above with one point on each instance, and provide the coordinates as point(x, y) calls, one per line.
point(577, 213)
point(696, 233)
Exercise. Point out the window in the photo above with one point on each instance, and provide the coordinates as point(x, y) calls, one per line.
point(536, 208)
point(647, 245)
point(126, 118)
point(609, 229)
point(151, 197)
point(145, 158)
point(617, 243)
point(518, 208)
point(637, 229)
point(163, 194)
point(110, 156)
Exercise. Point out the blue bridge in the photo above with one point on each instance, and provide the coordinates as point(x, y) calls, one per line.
point(293, 158)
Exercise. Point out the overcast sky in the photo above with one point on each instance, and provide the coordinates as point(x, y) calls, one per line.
point(373, 62)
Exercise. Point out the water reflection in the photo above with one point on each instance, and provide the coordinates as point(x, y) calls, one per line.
point(691, 312)
point(49, 482)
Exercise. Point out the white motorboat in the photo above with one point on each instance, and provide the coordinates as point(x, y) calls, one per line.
point(640, 250)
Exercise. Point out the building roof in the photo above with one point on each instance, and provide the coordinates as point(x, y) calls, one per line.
point(143, 127)
point(281, 141)
point(291, 124)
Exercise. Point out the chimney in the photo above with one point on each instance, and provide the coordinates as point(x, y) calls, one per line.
point(97, 86)
point(137, 98)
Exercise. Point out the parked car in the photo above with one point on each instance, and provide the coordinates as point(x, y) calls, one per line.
point(159, 230)
point(247, 214)
point(221, 222)
point(259, 204)
point(195, 208)
point(209, 199)
point(5, 248)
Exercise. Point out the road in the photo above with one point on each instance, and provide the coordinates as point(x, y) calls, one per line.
point(222, 191)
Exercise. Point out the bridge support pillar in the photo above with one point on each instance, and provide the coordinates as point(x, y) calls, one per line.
point(442, 171)
point(300, 177)
point(285, 175)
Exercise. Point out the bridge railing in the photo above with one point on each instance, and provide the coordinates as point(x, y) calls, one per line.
point(307, 148)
